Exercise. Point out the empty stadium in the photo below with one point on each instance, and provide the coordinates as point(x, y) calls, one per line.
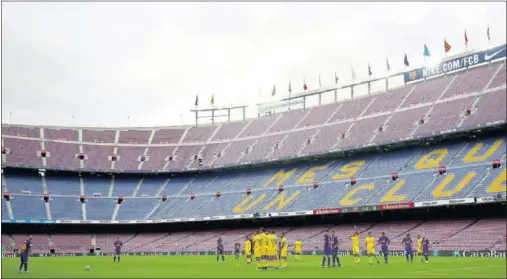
point(423, 158)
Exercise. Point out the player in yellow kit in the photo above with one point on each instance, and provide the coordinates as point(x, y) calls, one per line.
point(284, 245)
point(355, 247)
point(419, 251)
point(258, 249)
point(274, 252)
point(269, 254)
point(298, 249)
point(264, 248)
point(370, 247)
point(248, 250)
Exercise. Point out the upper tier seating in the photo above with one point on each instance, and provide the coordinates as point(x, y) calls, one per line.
point(442, 102)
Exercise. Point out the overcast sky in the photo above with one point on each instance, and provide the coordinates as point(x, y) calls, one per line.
point(103, 62)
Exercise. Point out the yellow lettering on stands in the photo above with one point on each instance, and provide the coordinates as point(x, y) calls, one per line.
point(441, 192)
point(432, 159)
point(349, 170)
point(245, 205)
point(472, 156)
point(309, 175)
point(280, 177)
point(282, 202)
point(391, 195)
point(498, 185)
point(348, 201)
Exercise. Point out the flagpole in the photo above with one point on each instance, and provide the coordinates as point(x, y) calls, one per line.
point(445, 51)
point(489, 37)
point(466, 41)
point(336, 89)
point(387, 75)
point(353, 80)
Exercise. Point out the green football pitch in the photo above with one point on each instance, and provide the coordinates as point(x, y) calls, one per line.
point(207, 267)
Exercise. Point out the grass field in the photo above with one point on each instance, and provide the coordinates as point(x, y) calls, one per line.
point(206, 266)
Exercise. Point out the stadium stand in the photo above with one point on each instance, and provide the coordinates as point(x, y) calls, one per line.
point(468, 174)
point(424, 174)
point(441, 103)
point(482, 234)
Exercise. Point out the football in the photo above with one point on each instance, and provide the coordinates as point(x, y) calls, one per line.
point(87, 267)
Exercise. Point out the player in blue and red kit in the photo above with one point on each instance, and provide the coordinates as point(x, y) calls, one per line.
point(409, 253)
point(117, 249)
point(220, 250)
point(25, 252)
point(384, 242)
point(334, 249)
point(326, 250)
point(426, 248)
point(237, 251)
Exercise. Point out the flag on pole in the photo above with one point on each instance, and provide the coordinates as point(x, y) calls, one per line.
point(426, 51)
point(369, 70)
point(387, 65)
point(447, 46)
point(213, 99)
point(320, 84)
point(290, 88)
point(196, 100)
point(466, 39)
point(489, 38)
point(335, 78)
point(405, 60)
point(353, 74)
point(274, 90)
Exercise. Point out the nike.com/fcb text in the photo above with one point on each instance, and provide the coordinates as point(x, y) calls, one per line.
point(451, 65)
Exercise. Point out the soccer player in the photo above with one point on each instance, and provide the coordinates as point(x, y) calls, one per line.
point(326, 250)
point(248, 250)
point(275, 249)
point(269, 249)
point(384, 246)
point(407, 243)
point(284, 245)
point(355, 247)
point(418, 252)
point(220, 250)
point(298, 249)
point(117, 249)
point(258, 250)
point(334, 249)
point(25, 252)
point(264, 248)
point(237, 251)
point(425, 248)
point(370, 248)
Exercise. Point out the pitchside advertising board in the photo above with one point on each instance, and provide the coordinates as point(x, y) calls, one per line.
point(394, 253)
point(458, 63)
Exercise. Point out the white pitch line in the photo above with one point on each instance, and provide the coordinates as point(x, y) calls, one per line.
point(459, 268)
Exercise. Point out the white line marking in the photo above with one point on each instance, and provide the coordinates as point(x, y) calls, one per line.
point(460, 268)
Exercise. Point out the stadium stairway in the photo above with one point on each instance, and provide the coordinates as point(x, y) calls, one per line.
point(464, 228)
point(173, 240)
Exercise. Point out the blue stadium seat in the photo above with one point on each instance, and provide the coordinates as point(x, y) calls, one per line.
point(65, 208)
